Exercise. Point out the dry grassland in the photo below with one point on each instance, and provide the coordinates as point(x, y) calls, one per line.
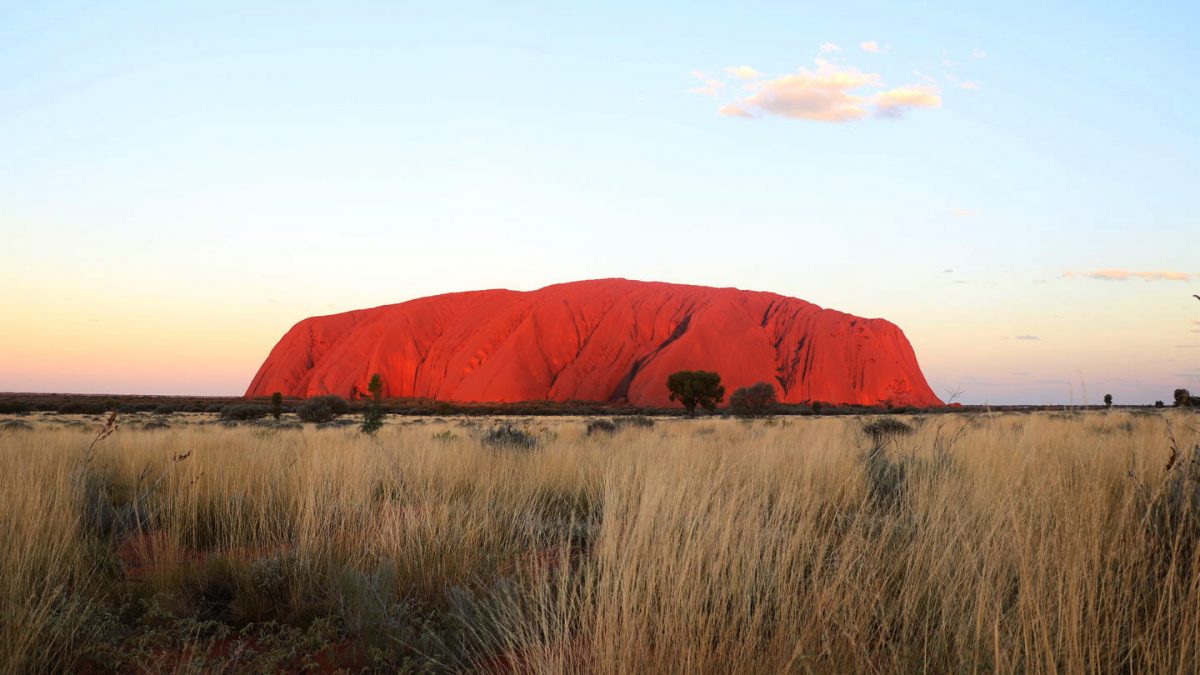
point(982, 543)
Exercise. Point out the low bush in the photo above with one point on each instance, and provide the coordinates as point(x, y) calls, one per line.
point(509, 436)
point(639, 421)
point(601, 427)
point(243, 411)
point(753, 401)
point(322, 409)
point(883, 428)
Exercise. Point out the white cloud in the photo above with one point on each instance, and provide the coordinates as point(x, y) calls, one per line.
point(743, 72)
point(978, 54)
point(874, 47)
point(829, 48)
point(968, 84)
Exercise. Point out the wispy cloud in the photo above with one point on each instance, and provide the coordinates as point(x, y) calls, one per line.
point(874, 47)
point(965, 213)
point(979, 54)
point(710, 87)
point(743, 72)
point(895, 102)
point(734, 110)
point(970, 85)
point(829, 92)
point(829, 48)
point(1127, 275)
point(1026, 337)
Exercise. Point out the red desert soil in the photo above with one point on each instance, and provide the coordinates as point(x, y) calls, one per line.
point(611, 340)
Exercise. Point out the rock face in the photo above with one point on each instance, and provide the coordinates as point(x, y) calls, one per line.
point(610, 340)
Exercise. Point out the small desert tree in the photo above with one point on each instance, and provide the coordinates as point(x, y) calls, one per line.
point(696, 388)
point(277, 405)
point(753, 401)
point(373, 415)
point(1108, 400)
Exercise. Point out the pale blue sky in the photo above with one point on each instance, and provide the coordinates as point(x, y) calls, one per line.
point(191, 179)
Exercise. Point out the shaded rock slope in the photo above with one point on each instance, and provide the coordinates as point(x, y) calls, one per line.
point(611, 340)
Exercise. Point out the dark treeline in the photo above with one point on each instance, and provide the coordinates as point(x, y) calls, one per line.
point(96, 404)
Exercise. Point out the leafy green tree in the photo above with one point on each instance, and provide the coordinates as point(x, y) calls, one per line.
point(1108, 400)
point(276, 405)
point(696, 388)
point(373, 415)
point(753, 401)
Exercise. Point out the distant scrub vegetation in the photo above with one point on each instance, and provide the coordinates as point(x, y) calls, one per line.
point(87, 404)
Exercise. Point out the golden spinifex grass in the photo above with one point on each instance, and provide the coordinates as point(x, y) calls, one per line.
point(990, 543)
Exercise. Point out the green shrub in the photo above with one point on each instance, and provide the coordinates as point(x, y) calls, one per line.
point(322, 409)
point(883, 428)
point(753, 401)
point(243, 411)
point(373, 415)
point(601, 427)
point(510, 437)
point(640, 421)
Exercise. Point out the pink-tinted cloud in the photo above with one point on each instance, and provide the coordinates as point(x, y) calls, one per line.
point(743, 72)
point(829, 92)
point(874, 47)
point(895, 102)
point(710, 87)
point(825, 94)
point(733, 110)
point(969, 84)
point(1127, 275)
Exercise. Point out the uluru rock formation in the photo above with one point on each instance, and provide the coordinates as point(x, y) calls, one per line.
point(611, 340)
